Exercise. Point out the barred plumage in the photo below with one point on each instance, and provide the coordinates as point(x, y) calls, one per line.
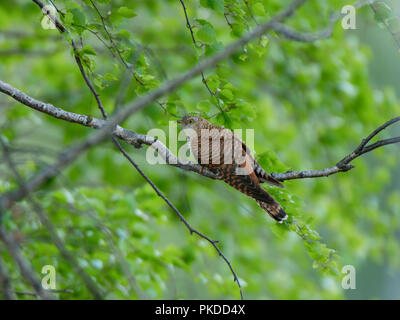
point(222, 152)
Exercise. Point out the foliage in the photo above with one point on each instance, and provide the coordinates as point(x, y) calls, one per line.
point(309, 104)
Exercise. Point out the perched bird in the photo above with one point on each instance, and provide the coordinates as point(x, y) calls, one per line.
point(223, 153)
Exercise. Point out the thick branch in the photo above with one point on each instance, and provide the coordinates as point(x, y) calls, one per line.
point(63, 160)
point(111, 126)
point(126, 155)
point(137, 140)
point(128, 136)
point(172, 85)
point(124, 265)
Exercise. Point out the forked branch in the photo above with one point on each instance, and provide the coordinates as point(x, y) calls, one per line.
point(344, 164)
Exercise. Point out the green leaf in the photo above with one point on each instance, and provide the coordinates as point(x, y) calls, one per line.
point(63, 196)
point(258, 9)
point(124, 34)
point(227, 93)
point(79, 16)
point(394, 25)
point(243, 57)
point(110, 77)
point(238, 30)
point(68, 18)
point(126, 12)
point(204, 105)
point(270, 162)
point(206, 34)
point(217, 5)
point(264, 41)
point(171, 107)
point(87, 49)
point(213, 82)
point(98, 81)
point(383, 11)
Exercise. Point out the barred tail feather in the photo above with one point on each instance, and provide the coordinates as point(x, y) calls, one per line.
point(274, 209)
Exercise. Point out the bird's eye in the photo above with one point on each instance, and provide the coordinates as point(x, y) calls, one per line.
point(191, 121)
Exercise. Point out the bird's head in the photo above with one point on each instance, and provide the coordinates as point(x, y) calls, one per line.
point(193, 122)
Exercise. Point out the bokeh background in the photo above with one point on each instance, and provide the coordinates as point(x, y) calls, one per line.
point(310, 104)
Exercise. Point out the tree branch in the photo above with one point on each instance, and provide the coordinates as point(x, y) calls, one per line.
point(295, 35)
point(65, 253)
point(64, 159)
point(181, 217)
point(137, 140)
point(111, 126)
point(172, 85)
point(128, 136)
point(189, 26)
point(395, 35)
point(5, 283)
point(24, 267)
point(77, 58)
point(121, 58)
point(344, 164)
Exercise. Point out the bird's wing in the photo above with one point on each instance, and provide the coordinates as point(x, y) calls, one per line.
point(262, 175)
point(221, 146)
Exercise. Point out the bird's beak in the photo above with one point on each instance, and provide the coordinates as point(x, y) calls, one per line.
point(179, 121)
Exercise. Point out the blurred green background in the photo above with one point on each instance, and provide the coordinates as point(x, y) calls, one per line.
point(310, 104)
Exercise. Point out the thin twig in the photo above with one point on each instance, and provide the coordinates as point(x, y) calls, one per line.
point(77, 56)
point(64, 159)
point(250, 11)
point(203, 79)
point(141, 102)
point(344, 164)
point(179, 214)
point(295, 35)
point(137, 139)
point(114, 45)
point(387, 26)
point(124, 265)
point(26, 270)
point(5, 282)
point(115, 141)
point(118, 254)
point(121, 58)
point(92, 286)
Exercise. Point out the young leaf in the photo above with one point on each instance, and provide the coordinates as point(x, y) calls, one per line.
point(217, 5)
point(126, 12)
point(206, 34)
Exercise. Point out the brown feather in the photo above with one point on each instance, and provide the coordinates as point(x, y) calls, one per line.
point(221, 151)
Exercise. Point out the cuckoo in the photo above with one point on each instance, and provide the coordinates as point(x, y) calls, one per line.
point(223, 153)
